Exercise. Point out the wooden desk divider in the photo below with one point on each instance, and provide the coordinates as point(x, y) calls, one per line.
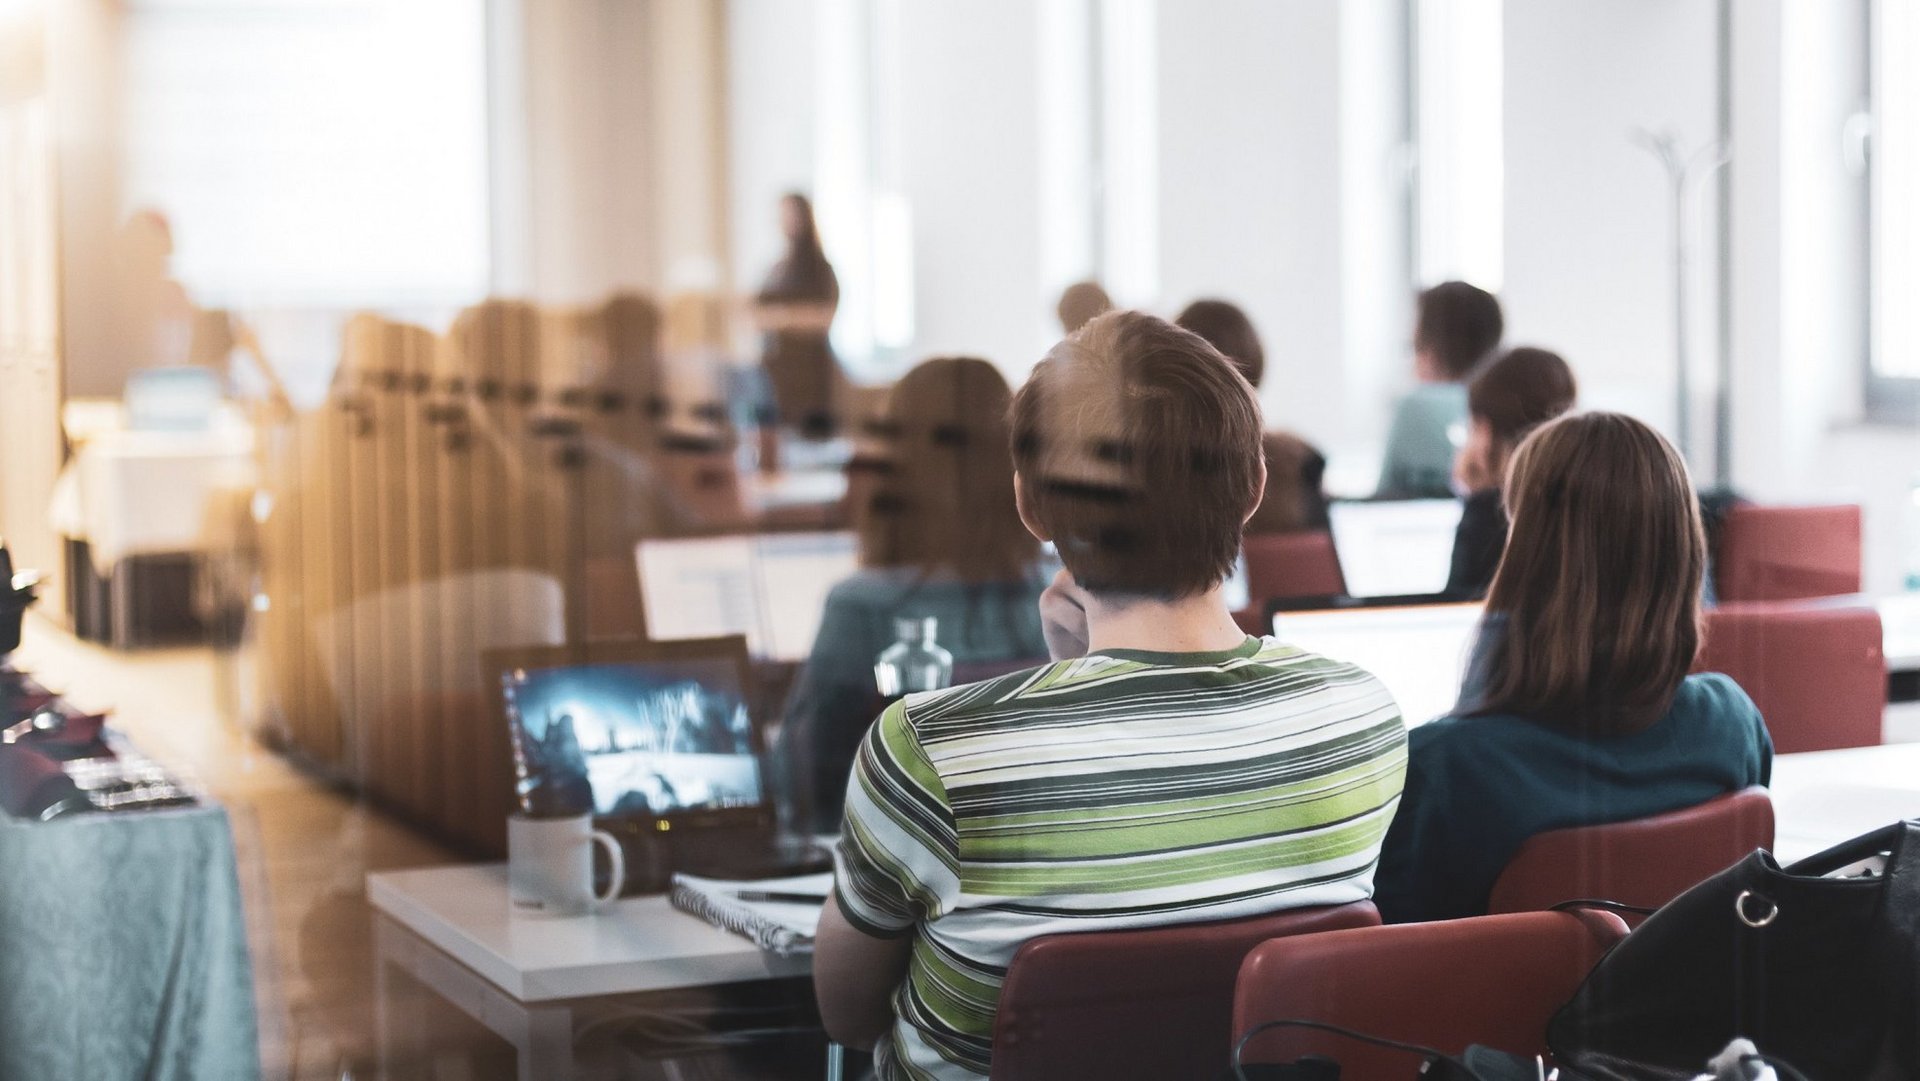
point(441, 475)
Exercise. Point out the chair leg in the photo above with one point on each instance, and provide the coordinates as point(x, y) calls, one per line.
point(836, 1062)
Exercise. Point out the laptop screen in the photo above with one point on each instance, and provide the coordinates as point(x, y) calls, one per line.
point(770, 588)
point(1402, 548)
point(1419, 652)
point(632, 738)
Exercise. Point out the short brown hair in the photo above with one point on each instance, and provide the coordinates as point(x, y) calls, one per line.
point(1138, 447)
point(1080, 302)
point(1599, 589)
point(1227, 329)
point(1521, 390)
point(1459, 324)
point(944, 497)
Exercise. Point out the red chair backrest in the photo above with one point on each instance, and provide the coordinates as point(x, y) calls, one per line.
point(1645, 862)
point(1151, 1004)
point(1788, 553)
point(1493, 980)
point(1817, 672)
point(1291, 565)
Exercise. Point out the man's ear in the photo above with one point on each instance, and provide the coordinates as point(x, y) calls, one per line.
point(1026, 517)
point(1259, 488)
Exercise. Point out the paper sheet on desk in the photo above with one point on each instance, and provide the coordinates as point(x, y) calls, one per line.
point(777, 927)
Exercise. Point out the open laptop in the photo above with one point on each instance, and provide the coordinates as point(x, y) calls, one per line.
point(769, 587)
point(1394, 551)
point(654, 739)
point(1419, 652)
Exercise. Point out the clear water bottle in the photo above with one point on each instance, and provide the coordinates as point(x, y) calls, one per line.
point(913, 662)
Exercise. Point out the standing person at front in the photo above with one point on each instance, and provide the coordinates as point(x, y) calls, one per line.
point(795, 310)
point(1165, 769)
point(1577, 709)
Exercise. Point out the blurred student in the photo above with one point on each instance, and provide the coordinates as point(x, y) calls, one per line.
point(1577, 708)
point(1521, 390)
point(1295, 499)
point(1079, 303)
point(794, 309)
point(1456, 326)
point(1070, 798)
point(940, 537)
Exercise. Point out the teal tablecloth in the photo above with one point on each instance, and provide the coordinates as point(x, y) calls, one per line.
point(123, 950)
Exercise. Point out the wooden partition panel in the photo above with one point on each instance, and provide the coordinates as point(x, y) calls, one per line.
point(457, 494)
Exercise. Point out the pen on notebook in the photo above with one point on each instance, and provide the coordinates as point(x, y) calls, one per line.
point(777, 897)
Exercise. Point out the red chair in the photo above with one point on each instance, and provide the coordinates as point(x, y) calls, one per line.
point(1492, 980)
point(1788, 553)
point(1816, 672)
point(1291, 565)
point(1148, 1004)
point(1645, 862)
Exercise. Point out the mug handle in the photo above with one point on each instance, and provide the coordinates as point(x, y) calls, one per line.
point(616, 865)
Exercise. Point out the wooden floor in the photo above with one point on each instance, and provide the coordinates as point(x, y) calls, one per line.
point(305, 849)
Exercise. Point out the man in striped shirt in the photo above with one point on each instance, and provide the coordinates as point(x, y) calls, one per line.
point(1166, 768)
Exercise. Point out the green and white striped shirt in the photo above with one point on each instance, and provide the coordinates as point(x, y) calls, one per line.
point(1124, 789)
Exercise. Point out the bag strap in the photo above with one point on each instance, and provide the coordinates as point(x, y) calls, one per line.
point(1454, 1068)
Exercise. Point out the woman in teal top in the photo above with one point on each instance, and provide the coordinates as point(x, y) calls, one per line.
point(1577, 708)
point(939, 537)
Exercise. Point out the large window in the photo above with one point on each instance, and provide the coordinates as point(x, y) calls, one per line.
point(313, 153)
point(1893, 230)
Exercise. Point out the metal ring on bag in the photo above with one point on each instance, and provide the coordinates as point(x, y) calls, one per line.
point(1740, 909)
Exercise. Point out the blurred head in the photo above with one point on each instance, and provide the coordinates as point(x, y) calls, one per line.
point(1456, 326)
point(1227, 328)
point(1138, 450)
point(1599, 589)
point(796, 222)
point(1081, 302)
point(1519, 391)
point(943, 492)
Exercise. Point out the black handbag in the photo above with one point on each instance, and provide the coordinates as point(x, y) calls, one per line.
point(1819, 971)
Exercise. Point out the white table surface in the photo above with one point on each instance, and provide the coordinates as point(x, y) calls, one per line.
point(1900, 630)
point(636, 944)
point(135, 493)
point(1821, 798)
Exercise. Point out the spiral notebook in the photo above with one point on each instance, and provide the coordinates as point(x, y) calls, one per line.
point(785, 928)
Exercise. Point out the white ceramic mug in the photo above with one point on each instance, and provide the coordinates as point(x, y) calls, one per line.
point(550, 865)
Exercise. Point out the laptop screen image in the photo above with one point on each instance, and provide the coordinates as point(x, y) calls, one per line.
point(1402, 548)
point(632, 738)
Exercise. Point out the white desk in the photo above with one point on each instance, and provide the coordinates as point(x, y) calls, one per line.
point(449, 928)
point(1900, 630)
point(1821, 798)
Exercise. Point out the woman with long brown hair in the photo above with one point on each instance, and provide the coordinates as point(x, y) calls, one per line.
point(939, 537)
point(1577, 708)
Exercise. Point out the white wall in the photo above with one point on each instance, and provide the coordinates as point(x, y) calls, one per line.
point(1250, 187)
point(770, 122)
point(970, 170)
point(1798, 432)
point(1266, 187)
point(1589, 268)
